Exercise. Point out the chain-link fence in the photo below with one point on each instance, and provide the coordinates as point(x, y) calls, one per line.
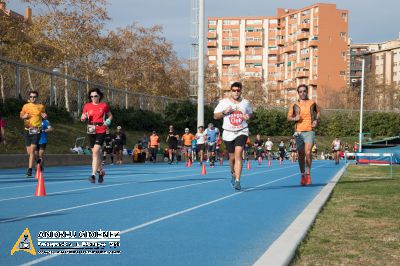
point(17, 79)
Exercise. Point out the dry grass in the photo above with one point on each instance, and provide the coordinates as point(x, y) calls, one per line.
point(360, 225)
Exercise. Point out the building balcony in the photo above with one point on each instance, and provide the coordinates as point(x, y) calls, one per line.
point(230, 52)
point(212, 52)
point(212, 35)
point(273, 52)
point(257, 34)
point(301, 65)
point(230, 61)
point(304, 26)
point(230, 43)
point(302, 74)
point(289, 49)
point(276, 78)
point(280, 42)
point(281, 32)
point(253, 69)
point(289, 85)
point(313, 43)
point(211, 43)
point(254, 43)
point(302, 36)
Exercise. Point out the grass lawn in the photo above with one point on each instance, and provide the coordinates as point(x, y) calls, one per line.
point(360, 224)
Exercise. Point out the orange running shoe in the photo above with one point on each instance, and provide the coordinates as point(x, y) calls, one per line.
point(303, 179)
point(308, 179)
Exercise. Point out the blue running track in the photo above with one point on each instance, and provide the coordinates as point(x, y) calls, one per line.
point(167, 214)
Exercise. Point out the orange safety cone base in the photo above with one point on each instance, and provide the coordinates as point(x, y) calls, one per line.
point(40, 188)
point(203, 169)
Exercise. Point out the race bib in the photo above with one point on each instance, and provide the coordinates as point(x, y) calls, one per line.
point(34, 130)
point(91, 129)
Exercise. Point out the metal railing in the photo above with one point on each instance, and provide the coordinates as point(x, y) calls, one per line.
point(54, 88)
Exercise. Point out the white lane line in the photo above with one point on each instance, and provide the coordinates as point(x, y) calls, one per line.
point(33, 262)
point(120, 184)
point(106, 186)
point(85, 179)
point(105, 201)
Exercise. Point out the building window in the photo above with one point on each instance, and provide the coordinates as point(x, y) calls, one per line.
point(342, 73)
point(212, 58)
point(344, 15)
point(252, 22)
point(273, 21)
point(343, 34)
point(230, 22)
point(212, 22)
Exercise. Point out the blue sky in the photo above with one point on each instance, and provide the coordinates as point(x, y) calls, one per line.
point(369, 20)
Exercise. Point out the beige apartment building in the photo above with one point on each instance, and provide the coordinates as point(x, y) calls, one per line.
point(304, 46)
point(381, 59)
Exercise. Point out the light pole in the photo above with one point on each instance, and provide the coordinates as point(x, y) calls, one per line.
point(200, 64)
point(361, 106)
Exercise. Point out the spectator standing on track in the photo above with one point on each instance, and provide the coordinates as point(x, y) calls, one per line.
point(172, 141)
point(187, 139)
point(336, 144)
point(108, 147)
point(212, 134)
point(153, 146)
point(95, 113)
point(119, 143)
point(305, 114)
point(235, 112)
point(201, 139)
point(41, 147)
point(32, 113)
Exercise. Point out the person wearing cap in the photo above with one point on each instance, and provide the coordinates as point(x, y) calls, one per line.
point(212, 134)
point(187, 144)
point(235, 112)
point(119, 142)
point(153, 146)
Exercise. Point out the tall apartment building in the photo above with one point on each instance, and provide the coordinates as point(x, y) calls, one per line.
point(381, 59)
point(305, 46)
point(10, 13)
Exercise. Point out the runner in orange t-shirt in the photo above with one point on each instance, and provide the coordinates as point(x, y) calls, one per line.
point(305, 113)
point(187, 144)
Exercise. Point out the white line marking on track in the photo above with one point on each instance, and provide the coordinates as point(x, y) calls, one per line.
point(120, 184)
point(33, 262)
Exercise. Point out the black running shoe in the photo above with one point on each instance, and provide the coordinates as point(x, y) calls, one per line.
point(233, 180)
point(92, 179)
point(101, 177)
point(29, 172)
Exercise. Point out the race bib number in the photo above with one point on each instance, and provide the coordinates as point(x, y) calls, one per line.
point(34, 130)
point(91, 129)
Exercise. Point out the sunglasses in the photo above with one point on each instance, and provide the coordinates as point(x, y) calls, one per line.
point(302, 91)
point(33, 97)
point(94, 96)
point(236, 90)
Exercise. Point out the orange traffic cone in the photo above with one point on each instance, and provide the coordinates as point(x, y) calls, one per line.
point(248, 164)
point(40, 189)
point(203, 169)
point(187, 163)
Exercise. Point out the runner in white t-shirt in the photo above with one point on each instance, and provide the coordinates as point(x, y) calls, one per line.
point(201, 140)
point(235, 111)
point(268, 147)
